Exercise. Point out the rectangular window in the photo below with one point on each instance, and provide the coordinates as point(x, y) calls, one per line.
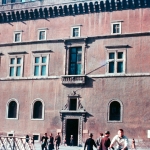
point(75, 31)
point(41, 65)
point(116, 61)
point(10, 133)
point(75, 61)
point(36, 137)
point(42, 35)
point(73, 104)
point(3, 1)
point(17, 36)
point(16, 66)
point(116, 28)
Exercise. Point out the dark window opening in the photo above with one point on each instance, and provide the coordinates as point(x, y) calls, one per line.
point(75, 61)
point(3, 1)
point(114, 111)
point(17, 37)
point(36, 137)
point(76, 32)
point(73, 104)
point(10, 135)
point(37, 110)
point(12, 110)
point(119, 67)
point(42, 35)
point(111, 67)
point(116, 28)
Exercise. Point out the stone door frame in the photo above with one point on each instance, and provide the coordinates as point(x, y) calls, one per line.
point(80, 127)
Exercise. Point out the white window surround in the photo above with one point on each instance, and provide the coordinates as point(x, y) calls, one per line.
point(15, 65)
point(40, 64)
point(7, 108)
point(10, 133)
point(121, 110)
point(14, 35)
point(32, 106)
point(115, 51)
point(79, 31)
point(115, 23)
point(42, 30)
point(38, 137)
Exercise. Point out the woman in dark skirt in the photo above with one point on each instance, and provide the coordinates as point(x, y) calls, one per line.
point(51, 142)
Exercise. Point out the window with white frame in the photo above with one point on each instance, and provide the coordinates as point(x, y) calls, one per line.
point(75, 31)
point(40, 65)
point(12, 109)
point(116, 28)
point(115, 109)
point(42, 35)
point(37, 110)
point(17, 36)
point(10, 134)
point(36, 137)
point(16, 66)
point(116, 61)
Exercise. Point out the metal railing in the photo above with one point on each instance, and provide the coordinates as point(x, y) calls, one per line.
point(14, 143)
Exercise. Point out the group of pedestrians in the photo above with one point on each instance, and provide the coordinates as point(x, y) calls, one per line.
point(47, 142)
point(119, 142)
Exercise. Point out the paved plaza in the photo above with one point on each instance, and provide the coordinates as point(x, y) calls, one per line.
point(62, 147)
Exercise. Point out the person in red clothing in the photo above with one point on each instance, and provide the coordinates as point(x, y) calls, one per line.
point(105, 141)
point(89, 143)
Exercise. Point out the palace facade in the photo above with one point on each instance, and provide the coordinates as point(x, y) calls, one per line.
point(75, 67)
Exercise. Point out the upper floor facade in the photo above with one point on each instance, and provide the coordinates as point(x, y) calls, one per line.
point(96, 43)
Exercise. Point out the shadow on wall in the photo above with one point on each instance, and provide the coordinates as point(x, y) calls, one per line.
point(88, 115)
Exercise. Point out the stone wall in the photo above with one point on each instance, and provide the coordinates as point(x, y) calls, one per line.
point(131, 89)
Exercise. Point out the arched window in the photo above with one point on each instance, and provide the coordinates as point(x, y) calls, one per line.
point(12, 109)
point(37, 109)
point(115, 111)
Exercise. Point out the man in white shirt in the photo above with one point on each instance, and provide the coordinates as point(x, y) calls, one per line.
point(120, 141)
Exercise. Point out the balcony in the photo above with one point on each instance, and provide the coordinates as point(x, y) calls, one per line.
point(73, 79)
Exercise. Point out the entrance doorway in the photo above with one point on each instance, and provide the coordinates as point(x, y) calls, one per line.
point(72, 129)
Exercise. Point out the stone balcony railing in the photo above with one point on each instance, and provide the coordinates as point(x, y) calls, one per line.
point(73, 79)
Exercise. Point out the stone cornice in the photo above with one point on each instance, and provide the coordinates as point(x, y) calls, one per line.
point(43, 9)
point(126, 35)
point(16, 53)
point(90, 76)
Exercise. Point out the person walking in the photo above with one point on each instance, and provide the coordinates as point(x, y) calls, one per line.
point(57, 140)
point(90, 143)
point(50, 142)
point(44, 141)
point(133, 147)
point(98, 140)
point(27, 138)
point(120, 141)
point(105, 141)
point(32, 143)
